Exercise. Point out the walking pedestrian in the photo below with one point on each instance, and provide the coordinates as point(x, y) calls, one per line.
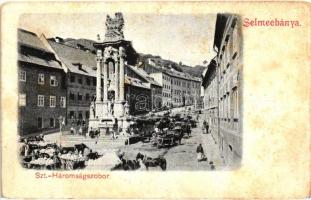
point(200, 153)
point(207, 128)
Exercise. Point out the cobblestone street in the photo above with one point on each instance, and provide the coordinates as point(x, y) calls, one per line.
point(179, 157)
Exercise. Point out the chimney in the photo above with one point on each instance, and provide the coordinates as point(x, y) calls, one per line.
point(59, 40)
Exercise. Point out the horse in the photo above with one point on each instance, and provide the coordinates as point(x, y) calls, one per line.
point(126, 164)
point(152, 162)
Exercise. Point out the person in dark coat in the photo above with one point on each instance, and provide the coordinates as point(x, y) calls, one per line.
point(200, 153)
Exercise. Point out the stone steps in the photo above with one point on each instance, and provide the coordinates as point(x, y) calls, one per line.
point(80, 139)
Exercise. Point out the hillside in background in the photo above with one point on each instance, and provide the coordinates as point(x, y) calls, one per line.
point(88, 45)
point(194, 71)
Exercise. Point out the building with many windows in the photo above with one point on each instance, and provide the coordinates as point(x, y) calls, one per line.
point(79, 65)
point(210, 98)
point(222, 81)
point(42, 86)
point(150, 82)
point(178, 88)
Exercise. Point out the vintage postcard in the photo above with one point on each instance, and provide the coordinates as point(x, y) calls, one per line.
point(155, 100)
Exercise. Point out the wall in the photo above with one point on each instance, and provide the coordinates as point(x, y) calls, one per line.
point(230, 66)
point(139, 99)
point(28, 115)
point(80, 108)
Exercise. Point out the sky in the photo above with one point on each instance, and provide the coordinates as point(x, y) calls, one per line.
point(185, 38)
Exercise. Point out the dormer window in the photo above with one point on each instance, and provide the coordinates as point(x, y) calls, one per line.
point(53, 81)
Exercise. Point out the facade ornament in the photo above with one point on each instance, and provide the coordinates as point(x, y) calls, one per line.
point(114, 27)
point(99, 55)
point(109, 52)
point(122, 53)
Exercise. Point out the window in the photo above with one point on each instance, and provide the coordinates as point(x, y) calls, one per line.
point(40, 122)
point(22, 76)
point(72, 114)
point(234, 55)
point(88, 81)
point(72, 96)
point(40, 100)
point(79, 97)
point(63, 102)
point(52, 122)
point(94, 81)
point(41, 79)
point(52, 101)
point(80, 116)
point(87, 114)
point(22, 99)
point(72, 78)
point(53, 81)
point(80, 80)
point(87, 97)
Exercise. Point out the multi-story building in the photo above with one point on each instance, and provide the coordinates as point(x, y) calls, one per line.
point(228, 71)
point(165, 80)
point(155, 87)
point(178, 88)
point(78, 64)
point(210, 110)
point(42, 86)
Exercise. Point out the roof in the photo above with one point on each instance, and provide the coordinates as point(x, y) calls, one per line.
point(211, 67)
point(38, 61)
point(143, 74)
point(135, 82)
point(221, 22)
point(31, 41)
point(73, 57)
point(175, 73)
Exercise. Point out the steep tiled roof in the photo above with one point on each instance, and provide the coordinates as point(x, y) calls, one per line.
point(42, 56)
point(30, 39)
point(73, 57)
point(38, 61)
point(135, 82)
point(142, 73)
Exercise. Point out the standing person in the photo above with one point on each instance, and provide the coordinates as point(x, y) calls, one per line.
point(97, 132)
point(80, 130)
point(72, 131)
point(207, 128)
point(200, 153)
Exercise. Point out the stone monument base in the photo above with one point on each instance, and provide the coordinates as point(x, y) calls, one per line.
point(106, 124)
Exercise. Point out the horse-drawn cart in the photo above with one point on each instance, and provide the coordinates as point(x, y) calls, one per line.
point(167, 138)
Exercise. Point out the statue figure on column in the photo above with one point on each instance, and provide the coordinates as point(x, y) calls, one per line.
point(126, 109)
point(93, 108)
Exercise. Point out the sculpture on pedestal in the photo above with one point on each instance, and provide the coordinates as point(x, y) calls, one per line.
point(114, 27)
point(111, 55)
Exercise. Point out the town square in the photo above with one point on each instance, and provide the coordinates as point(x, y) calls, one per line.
point(100, 104)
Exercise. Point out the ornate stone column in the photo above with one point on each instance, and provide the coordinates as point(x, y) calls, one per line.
point(105, 80)
point(105, 107)
point(122, 57)
point(98, 76)
point(116, 77)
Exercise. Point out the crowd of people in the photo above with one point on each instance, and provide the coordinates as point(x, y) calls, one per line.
point(36, 153)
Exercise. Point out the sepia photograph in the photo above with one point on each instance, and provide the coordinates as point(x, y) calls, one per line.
point(124, 91)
